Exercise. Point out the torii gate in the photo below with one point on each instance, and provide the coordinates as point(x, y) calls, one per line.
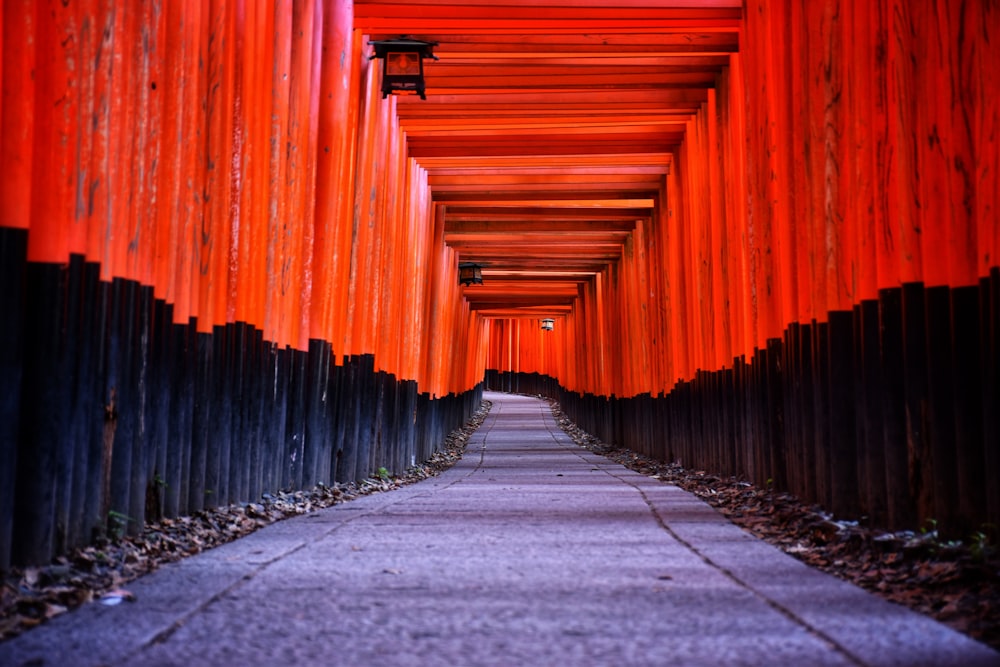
point(766, 234)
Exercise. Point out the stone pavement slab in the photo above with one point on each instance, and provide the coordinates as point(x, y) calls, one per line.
point(530, 551)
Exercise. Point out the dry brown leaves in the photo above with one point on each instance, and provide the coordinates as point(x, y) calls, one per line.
point(955, 583)
point(30, 596)
point(958, 584)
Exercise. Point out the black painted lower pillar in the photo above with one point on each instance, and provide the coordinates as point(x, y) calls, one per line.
point(43, 424)
point(13, 253)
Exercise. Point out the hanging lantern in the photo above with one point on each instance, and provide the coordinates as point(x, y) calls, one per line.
point(548, 324)
point(403, 64)
point(470, 273)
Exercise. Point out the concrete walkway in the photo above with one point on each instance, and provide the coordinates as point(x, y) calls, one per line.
point(530, 551)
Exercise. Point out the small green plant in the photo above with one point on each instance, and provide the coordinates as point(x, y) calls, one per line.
point(383, 474)
point(979, 543)
point(117, 523)
point(931, 539)
point(159, 481)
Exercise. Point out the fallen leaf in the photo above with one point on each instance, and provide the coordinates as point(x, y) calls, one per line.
point(116, 597)
point(53, 610)
point(30, 577)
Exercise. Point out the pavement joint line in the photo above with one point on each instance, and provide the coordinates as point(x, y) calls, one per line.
point(774, 604)
point(183, 625)
point(484, 441)
point(165, 634)
point(777, 606)
point(788, 613)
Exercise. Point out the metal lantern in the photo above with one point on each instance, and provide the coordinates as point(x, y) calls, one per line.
point(470, 273)
point(548, 324)
point(403, 64)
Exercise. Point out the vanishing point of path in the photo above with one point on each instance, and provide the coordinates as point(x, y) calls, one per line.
point(530, 551)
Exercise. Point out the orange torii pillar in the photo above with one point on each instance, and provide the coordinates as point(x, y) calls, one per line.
point(823, 268)
point(204, 301)
point(883, 179)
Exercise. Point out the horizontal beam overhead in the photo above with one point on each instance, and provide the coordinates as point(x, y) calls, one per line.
point(549, 127)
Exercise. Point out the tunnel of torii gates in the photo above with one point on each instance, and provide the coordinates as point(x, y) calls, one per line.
point(766, 232)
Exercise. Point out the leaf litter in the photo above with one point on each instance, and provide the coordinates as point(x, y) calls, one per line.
point(956, 583)
point(99, 572)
